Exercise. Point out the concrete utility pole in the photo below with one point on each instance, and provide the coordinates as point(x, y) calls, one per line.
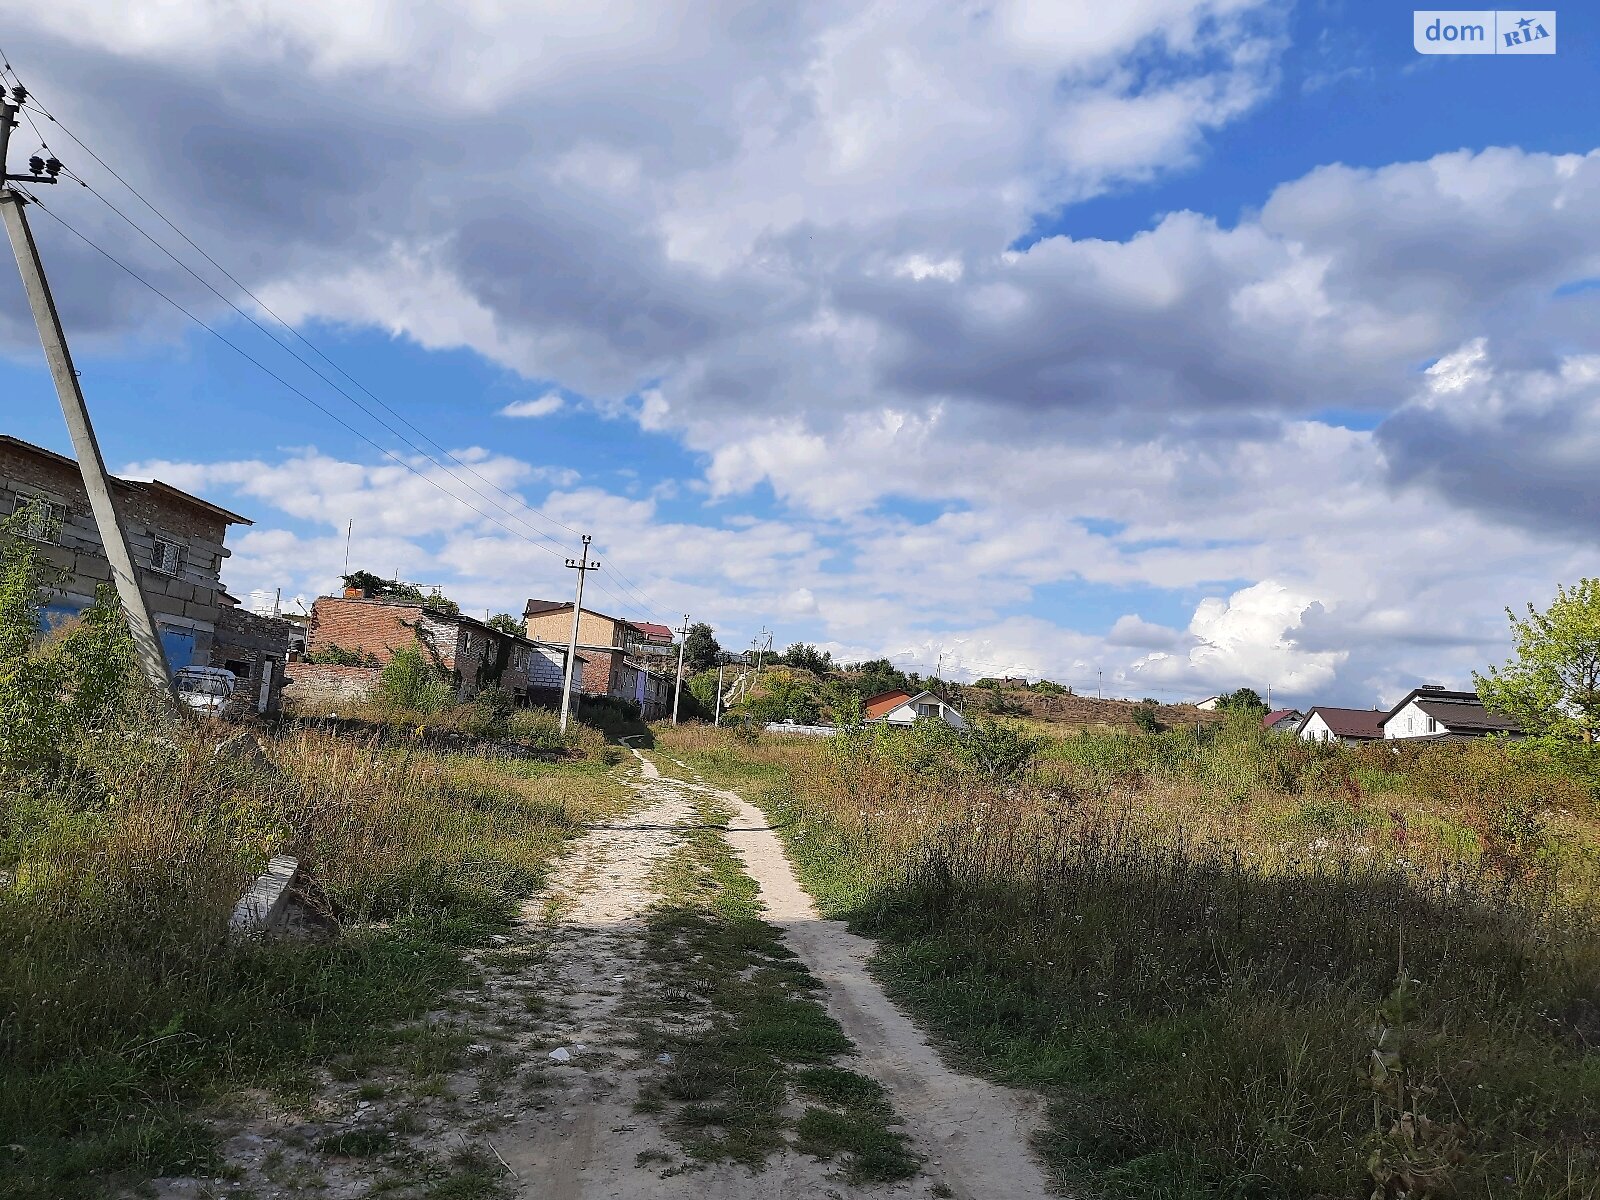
point(677, 684)
point(582, 566)
point(91, 464)
point(716, 716)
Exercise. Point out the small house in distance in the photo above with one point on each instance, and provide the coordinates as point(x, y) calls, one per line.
point(1432, 711)
point(1209, 704)
point(900, 707)
point(1283, 720)
point(1345, 725)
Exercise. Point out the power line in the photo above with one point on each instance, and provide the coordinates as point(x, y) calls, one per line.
point(248, 357)
point(638, 593)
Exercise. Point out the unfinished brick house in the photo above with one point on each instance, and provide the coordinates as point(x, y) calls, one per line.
point(256, 650)
point(177, 540)
point(612, 651)
point(474, 654)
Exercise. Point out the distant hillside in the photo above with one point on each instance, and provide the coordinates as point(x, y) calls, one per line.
point(782, 692)
point(1079, 712)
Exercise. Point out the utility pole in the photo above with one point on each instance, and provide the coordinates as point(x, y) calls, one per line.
point(677, 684)
point(716, 716)
point(348, 530)
point(1099, 680)
point(91, 463)
point(582, 566)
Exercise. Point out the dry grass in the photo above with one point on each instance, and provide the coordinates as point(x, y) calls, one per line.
point(122, 1000)
point(1242, 965)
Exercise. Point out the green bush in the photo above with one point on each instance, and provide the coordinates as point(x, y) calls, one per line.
point(52, 687)
point(1144, 716)
point(411, 681)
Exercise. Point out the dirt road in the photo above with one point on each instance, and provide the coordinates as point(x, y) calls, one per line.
point(549, 1091)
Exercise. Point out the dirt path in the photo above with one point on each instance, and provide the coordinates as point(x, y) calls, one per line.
point(529, 1086)
point(972, 1132)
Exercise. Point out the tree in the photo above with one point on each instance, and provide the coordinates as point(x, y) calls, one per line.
point(506, 623)
point(1242, 700)
point(1551, 684)
point(786, 700)
point(379, 588)
point(700, 649)
point(1144, 716)
point(879, 676)
point(808, 658)
point(1049, 687)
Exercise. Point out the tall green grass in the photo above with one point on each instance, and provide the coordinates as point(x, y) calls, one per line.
point(1240, 965)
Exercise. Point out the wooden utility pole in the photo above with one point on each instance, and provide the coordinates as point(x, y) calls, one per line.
point(91, 463)
point(677, 684)
point(582, 566)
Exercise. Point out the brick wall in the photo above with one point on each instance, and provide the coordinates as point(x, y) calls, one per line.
point(321, 684)
point(364, 626)
point(593, 628)
point(478, 655)
point(258, 644)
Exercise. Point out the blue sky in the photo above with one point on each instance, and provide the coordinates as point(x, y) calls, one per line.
point(1198, 343)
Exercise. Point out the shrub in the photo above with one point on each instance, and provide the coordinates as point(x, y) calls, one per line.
point(1144, 716)
point(411, 681)
point(81, 674)
point(333, 655)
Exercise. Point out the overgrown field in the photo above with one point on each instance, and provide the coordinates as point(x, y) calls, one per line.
point(1240, 964)
point(126, 838)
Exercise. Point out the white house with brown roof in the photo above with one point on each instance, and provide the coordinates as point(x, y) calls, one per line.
point(1347, 726)
point(1435, 712)
point(900, 707)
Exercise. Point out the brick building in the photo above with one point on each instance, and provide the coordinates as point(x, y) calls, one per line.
point(177, 541)
point(613, 652)
point(474, 654)
point(256, 650)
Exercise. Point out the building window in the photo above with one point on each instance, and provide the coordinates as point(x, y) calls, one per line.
point(1433, 726)
point(166, 557)
point(41, 520)
point(241, 670)
point(1411, 724)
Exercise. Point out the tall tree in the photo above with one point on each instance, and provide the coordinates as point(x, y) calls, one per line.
point(1551, 684)
point(808, 658)
point(700, 649)
point(1243, 699)
point(506, 623)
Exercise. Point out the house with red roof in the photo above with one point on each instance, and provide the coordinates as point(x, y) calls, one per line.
point(901, 707)
point(1283, 720)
